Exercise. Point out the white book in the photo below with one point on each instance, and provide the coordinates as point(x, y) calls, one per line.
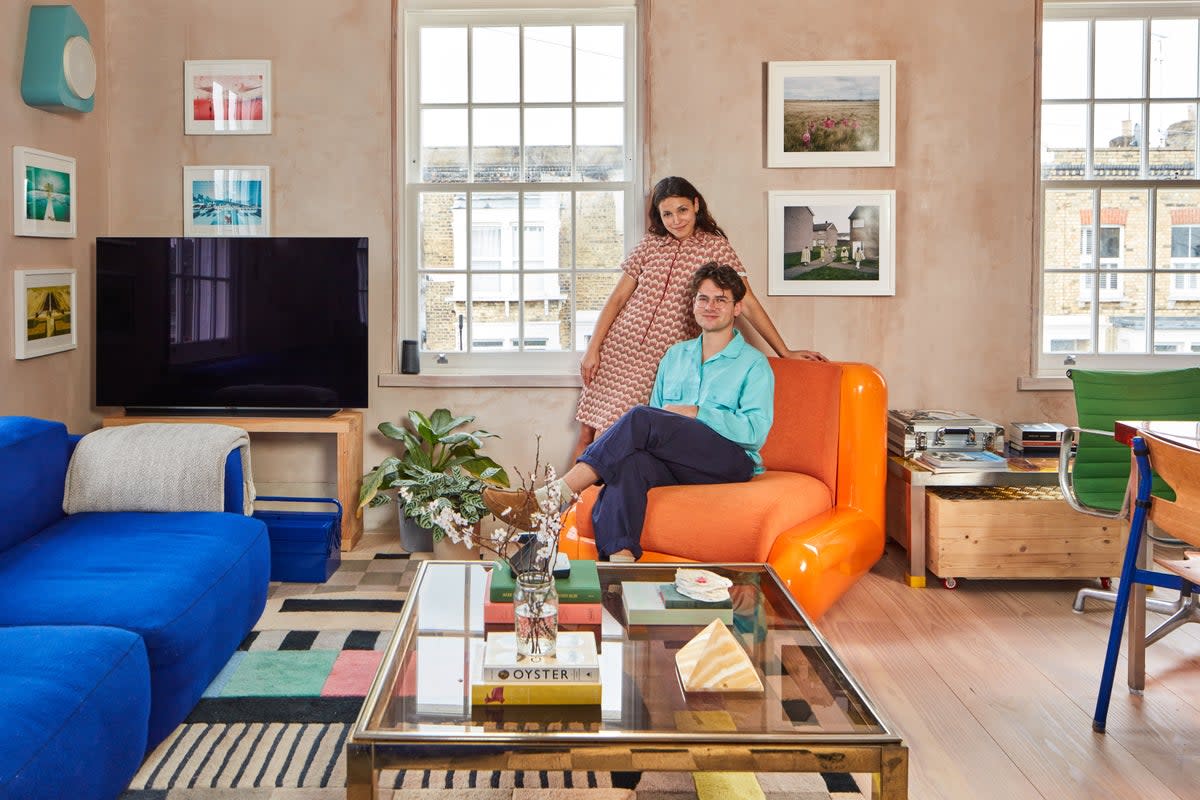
point(575, 660)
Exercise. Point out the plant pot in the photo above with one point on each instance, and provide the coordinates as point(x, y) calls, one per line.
point(414, 538)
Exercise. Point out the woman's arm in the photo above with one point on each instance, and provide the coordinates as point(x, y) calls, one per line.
point(756, 315)
point(616, 301)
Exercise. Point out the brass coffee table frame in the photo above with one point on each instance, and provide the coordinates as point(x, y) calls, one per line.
point(380, 740)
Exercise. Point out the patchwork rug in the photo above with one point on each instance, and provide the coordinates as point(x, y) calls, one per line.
point(274, 723)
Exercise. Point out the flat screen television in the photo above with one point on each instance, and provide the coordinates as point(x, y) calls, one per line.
point(273, 325)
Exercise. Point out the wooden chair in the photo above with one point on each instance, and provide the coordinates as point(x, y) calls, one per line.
point(1178, 465)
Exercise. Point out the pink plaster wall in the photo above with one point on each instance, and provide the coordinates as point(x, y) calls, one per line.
point(59, 385)
point(957, 333)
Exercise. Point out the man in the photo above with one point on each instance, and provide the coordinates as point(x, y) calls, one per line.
point(709, 413)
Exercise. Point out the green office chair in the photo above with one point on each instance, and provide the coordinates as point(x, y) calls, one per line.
point(1095, 478)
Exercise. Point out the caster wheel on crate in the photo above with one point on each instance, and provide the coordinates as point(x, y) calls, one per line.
point(950, 583)
point(1106, 583)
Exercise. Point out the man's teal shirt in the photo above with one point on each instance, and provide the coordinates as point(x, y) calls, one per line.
point(734, 390)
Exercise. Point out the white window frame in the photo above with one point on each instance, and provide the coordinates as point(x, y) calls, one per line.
point(1047, 364)
point(532, 359)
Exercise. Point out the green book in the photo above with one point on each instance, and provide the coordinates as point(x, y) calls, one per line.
point(672, 598)
point(582, 586)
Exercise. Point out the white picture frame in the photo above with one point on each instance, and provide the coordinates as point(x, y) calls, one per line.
point(832, 242)
point(831, 114)
point(227, 97)
point(44, 194)
point(44, 306)
point(226, 201)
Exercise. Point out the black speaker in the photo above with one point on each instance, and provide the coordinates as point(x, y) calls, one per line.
point(410, 362)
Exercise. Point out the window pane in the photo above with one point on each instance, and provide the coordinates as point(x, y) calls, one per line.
point(599, 134)
point(1066, 322)
point(1119, 57)
point(441, 317)
point(1177, 229)
point(496, 147)
point(495, 326)
point(600, 232)
point(1066, 214)
point(600, 61)
point(436, 215)
point(494, 65)
point(1124, 217)
point(548, 65)
point(1064, 139)
point(591, 292)
point(548, 144)
point(549, 214)
point(1173, 58)
point(1172, 140)
point(1065, 59)
point(443, 65)
point(1123, 323)
point(443, 145)
point(1117, 139)
point(493, 221)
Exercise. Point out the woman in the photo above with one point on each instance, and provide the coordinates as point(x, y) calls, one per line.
point(650, 308)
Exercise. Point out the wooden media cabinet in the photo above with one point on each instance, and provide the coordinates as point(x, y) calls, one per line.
point(345, 425)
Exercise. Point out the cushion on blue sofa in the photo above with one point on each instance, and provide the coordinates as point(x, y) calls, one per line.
point(34, 453)
point(64, 692)
point(190, 583)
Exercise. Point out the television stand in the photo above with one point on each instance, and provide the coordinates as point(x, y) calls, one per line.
point(232, 411)
point(346, 425)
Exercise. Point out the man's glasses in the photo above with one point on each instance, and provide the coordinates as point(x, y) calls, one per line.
point(720, 301)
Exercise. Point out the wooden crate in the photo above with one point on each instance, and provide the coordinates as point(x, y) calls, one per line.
point(1018, 532)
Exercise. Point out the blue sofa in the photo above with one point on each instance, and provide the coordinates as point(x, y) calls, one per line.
point(111, 624)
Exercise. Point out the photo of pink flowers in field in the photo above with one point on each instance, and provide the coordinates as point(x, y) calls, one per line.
point(830, 114)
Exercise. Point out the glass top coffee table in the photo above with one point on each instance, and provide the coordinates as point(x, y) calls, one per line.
point(812, 716)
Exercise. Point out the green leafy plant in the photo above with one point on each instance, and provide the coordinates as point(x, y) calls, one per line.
point(439, 468)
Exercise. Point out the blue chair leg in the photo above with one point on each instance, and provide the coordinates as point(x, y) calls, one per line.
point(1129, 570)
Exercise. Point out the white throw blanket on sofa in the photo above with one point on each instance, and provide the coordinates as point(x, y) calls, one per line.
point(156, 467)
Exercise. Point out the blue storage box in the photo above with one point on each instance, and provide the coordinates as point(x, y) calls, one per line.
point(306, 546)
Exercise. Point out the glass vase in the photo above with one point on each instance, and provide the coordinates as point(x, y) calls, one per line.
point(535, 615)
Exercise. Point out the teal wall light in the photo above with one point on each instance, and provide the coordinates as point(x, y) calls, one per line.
point(60, 67)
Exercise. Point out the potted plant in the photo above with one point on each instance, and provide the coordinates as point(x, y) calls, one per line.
point(439, 469)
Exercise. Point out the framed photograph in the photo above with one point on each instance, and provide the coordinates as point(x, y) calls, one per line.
point(44, 301)
point(227, 97)
point(44, 193)
point(831, 114)
point(226, 201)
point(832, 242)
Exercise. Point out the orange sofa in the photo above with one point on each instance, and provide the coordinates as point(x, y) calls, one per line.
point(815, 515)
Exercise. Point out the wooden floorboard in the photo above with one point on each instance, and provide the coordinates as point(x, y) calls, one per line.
point(993, 687)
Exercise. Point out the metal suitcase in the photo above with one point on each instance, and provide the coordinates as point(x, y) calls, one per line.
point(911, 431)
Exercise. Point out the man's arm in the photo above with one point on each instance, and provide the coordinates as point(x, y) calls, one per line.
point(746, 424)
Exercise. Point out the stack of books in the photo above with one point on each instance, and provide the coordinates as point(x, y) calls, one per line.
point(657, 603)
point(570, 677)
point(578, 595)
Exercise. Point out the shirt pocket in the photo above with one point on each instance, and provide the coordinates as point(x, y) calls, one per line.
point(724, 396)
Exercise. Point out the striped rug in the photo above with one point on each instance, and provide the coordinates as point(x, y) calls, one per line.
point(273, 724)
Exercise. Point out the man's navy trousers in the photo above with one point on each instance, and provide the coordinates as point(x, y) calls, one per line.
point(649, 447)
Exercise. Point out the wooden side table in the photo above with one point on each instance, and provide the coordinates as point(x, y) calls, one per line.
point(345, 425)
point(907, 481)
